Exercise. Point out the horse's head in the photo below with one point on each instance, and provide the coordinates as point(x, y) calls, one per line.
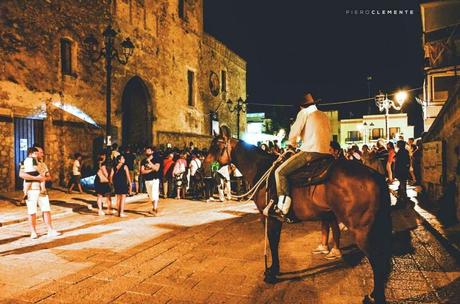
point(221, 147)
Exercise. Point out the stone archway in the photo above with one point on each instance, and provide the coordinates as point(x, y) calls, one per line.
point(136, 113)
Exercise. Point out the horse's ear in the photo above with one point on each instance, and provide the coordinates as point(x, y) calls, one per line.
point(225, 132)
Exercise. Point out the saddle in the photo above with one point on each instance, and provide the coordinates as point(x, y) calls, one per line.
point(314, 173)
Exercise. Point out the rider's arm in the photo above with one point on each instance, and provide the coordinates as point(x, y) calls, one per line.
point(297, 127)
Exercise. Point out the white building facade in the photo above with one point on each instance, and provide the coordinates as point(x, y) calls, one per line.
point(370, 128)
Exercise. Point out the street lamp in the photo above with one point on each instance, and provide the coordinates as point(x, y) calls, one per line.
point(366, 130)
point(384, 104)
point(109, 52)
point(239, 107)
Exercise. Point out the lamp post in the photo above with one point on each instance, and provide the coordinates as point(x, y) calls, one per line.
point(109, 52)
point(366, 130)
point(239, 107)
point(384, 104)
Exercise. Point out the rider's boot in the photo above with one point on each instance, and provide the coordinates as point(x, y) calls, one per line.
point(284, 204)
point(279, 210)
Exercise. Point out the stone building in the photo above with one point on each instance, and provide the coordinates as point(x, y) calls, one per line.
point(441, 142)
point(441, 42)
point(52, 93)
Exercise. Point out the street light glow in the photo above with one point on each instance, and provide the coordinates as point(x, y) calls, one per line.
point(401, 97)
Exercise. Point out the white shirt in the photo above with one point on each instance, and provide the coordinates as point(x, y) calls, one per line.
point(76, 167)
point(29, 165)
point(194, 165)
point(224, 172)
point(313, 127)
point(237, 173)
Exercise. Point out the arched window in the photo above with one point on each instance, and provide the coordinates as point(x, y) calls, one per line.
point(66, 57)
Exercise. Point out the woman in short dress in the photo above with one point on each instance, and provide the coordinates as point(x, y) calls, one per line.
point(102, 185)
point(121, 182)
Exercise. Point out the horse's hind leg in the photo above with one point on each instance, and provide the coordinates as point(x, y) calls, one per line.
point(274, 234)
point(376, 245)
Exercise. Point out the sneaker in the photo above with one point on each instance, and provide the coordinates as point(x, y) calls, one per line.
point(334, 254)
point(34, 235)
point(53, 233)
point(101, 213)
point(321, 249)
point(123, 215)
point(114, 212)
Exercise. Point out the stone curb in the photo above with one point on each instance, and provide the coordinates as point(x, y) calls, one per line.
point(452, 247)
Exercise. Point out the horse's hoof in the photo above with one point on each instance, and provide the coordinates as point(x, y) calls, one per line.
point(270, 276)
point(270, 279)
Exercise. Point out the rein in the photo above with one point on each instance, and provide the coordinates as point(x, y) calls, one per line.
point(250, 194)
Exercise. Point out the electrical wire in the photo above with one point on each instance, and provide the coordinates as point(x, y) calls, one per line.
point(331, 103)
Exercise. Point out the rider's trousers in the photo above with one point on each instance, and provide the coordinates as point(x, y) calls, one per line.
point(290, 165)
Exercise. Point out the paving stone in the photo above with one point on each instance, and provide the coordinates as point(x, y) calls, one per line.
point(215, 255)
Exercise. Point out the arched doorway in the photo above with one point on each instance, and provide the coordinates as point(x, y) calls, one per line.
point(137, 116)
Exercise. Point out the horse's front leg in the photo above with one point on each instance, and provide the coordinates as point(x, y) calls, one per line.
point(274, 234)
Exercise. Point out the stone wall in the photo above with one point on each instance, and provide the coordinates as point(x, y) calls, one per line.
point(166, 47)
point(216, 58)
point(63, 138)
point(6, 153)
point(445, 128)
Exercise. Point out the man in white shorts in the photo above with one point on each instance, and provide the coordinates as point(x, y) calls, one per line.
point(34, 198)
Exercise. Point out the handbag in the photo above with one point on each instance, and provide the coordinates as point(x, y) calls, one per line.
point(102, 178)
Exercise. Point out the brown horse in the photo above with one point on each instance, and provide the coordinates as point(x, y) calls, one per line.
point(355, 194)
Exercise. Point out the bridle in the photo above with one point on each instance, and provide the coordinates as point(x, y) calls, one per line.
point(225, 149)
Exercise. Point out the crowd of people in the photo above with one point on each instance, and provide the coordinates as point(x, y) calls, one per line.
point(165, 172)
point(400, 162)
point(169, 172)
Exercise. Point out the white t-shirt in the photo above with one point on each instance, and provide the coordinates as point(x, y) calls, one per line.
point(76, 167)
point(30, 165)
point(194, 165)
point(224, 172)
point(237, 173)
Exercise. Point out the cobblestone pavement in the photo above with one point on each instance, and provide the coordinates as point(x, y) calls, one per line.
point(195, 252)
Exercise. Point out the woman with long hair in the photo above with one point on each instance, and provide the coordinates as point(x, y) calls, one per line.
point(121, 181)
point(102, 185)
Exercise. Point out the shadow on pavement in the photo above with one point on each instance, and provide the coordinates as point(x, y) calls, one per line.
point(77, 208)
point(63, 241)
point(402, 243)
point(10, 200)
point(311, 271)
point(221, 258)
point(172, 226)
point(10, 240)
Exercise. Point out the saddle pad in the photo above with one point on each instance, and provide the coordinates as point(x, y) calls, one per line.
point(313, 173)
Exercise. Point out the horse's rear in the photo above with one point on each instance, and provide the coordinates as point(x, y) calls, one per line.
point(359, 198)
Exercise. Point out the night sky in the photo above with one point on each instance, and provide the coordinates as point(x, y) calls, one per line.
point(293, 46)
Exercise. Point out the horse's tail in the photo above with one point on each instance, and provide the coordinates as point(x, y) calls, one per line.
point(381, 231)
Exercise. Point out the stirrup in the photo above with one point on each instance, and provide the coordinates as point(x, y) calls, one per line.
point(267, 209)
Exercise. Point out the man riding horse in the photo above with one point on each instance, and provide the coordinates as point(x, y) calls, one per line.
point(312, 126)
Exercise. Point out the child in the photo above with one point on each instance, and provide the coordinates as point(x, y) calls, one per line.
point(31, 168)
